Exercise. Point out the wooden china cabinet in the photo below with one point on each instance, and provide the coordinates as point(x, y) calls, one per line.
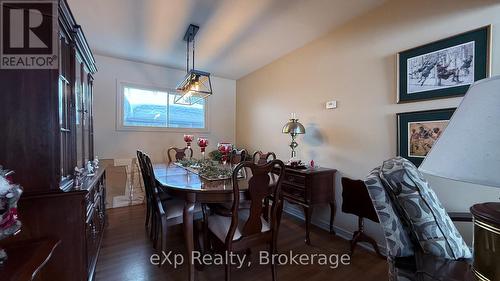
point(46, 126)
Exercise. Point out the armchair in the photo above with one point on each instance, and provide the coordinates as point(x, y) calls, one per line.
point(422, 241)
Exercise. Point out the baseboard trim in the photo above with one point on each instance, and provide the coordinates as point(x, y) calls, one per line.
point(325, 225)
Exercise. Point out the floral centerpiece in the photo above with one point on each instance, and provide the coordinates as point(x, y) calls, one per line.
point(9, 195)
point(206, 168)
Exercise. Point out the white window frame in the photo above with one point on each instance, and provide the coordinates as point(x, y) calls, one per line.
point(120, 85)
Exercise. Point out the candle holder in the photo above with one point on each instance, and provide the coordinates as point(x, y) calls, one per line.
point(224, 148)
point(202, 143)
point(188, 139)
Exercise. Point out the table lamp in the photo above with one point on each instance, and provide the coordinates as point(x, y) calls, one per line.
point(294, 128)
point(469, 151)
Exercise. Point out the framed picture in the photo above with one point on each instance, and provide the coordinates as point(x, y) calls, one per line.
point(444, 68)
point(418, 131)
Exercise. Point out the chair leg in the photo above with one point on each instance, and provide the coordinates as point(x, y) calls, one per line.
point(152, 222)
point(266, 209)
point(228, 271)
point(273, 266)
point(153, 226)
point(206, 243)
point(148, 214)
point(163, 236)
point(158, 233)
point(155, 232)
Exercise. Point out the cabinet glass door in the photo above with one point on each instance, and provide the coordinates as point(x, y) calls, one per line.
point(79, 111)
point(86, 115)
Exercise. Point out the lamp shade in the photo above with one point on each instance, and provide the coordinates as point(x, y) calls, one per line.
point(293, 127)
point(469, 148)
point(195, 87)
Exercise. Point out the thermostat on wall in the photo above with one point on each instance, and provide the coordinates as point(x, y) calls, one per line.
point(331, 104)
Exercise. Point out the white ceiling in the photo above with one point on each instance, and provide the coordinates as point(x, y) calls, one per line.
point(235, 38)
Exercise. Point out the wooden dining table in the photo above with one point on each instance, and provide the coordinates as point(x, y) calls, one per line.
point(194, 189)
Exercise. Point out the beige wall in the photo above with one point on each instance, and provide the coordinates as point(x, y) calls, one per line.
point(355, 65)
point(113, 144)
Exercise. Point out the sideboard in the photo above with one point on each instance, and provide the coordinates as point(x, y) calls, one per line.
point(47, 129)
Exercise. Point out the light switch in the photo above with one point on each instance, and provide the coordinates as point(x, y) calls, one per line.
point(331, 104)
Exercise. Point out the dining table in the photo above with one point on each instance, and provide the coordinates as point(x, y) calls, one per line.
point(194, 189)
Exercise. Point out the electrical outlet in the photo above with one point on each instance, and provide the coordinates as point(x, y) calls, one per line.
point(331, 104)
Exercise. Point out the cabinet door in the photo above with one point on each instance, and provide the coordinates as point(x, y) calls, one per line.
point(66, 109)
point(87, 113)
point(79, 112)
point(91, 116)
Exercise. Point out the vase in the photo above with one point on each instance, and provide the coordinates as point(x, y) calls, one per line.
point(202, 143)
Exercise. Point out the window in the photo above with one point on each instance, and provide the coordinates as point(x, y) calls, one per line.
point(150, 108)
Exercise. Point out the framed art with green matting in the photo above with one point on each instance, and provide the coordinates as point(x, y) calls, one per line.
point(444, 68)
point(418, 131)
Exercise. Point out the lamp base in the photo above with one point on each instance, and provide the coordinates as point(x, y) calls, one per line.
point(486, 241)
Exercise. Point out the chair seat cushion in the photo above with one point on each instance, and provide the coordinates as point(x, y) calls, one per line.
point(429, 222)
point(174, 208)
point(397, 240)
point(164, 196)
point(219, 225)
point(225, 209)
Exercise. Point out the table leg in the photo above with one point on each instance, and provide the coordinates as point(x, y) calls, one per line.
point(188, 233)
point(307, 215)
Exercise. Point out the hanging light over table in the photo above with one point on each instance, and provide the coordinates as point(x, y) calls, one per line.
point(196, 85)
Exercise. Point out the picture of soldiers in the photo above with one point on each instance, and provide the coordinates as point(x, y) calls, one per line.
point(423, 135)
point(450, 67)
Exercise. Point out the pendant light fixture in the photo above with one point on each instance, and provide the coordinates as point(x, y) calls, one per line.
point(196, 85)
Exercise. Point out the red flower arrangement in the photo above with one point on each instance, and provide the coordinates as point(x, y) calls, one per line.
point(188, 139)
point(225, 148)
point(9, 195)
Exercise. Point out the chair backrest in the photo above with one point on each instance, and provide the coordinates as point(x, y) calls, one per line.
point(356, 200)
point(262, 158)
point(238, 156)
point(145, 176)
point(151, 182)
point(180, 153)
point(260, 185)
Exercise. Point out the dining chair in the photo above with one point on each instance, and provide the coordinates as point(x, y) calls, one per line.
point(262, 158)
point(246, 228)
point(180, 153)
point(163, 195)
point(356, 201)
point(165, 212)
point(224, 209)
point(238, 156)
point(147, 191)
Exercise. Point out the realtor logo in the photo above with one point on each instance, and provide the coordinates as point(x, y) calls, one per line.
point(28, 35)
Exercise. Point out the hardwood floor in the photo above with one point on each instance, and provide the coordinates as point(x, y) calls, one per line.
point(126, 251)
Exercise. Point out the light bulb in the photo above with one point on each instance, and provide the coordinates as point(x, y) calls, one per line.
point(195, 86)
